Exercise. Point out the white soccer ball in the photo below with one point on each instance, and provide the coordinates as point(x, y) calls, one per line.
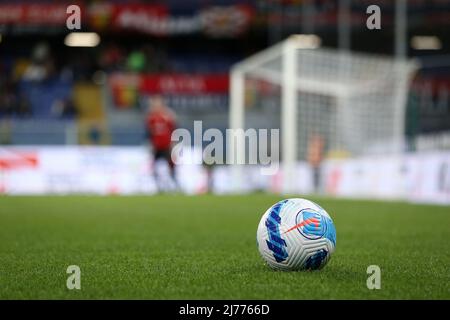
point(296, 234)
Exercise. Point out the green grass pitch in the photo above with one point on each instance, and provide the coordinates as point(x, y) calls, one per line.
point(180, 247)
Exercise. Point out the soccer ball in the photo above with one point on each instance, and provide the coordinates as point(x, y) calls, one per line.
point(296, 234)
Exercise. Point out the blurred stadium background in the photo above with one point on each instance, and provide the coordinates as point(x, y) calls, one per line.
point(71, 109)
point(363, 114)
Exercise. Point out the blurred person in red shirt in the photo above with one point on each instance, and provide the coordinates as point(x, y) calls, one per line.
point(160, 123)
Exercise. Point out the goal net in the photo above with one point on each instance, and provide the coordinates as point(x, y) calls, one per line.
point(326, 103)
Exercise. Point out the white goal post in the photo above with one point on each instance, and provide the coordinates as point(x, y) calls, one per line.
point(354, 103)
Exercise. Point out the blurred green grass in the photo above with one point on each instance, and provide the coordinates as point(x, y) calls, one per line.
point(180, 247)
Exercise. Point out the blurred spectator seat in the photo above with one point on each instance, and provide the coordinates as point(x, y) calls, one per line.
point(42, 132)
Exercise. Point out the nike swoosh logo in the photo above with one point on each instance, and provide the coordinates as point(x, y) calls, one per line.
point(304, 223)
